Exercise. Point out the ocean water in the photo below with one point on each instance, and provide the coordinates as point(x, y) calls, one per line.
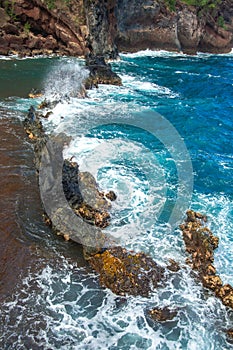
point(163, 143)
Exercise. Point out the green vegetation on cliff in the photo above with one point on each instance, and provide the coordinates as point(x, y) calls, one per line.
point(201, 4)
point(52, 4)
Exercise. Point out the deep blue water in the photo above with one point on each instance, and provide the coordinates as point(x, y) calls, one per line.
point(169, 128)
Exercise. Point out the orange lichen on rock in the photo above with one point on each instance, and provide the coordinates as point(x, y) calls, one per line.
point(35, 95)
point(162, 314)
point(225, 293)
point(127, 272)
point(201, 243)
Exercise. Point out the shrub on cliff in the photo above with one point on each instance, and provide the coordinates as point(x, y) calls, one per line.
point(202, 4)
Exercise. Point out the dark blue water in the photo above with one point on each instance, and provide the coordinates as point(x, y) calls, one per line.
point(164, 137)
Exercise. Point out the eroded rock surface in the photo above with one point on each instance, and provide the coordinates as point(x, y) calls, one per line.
point(30, 27)
point(101, 28)
point(126, 272)
point(200, 244)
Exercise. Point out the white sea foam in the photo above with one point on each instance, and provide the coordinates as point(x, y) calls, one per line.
point(65, 308)
point(133, 173)
point(153, 53)
point(220, 213)
point(164, 53)
point(134, 84)
point(65, 81)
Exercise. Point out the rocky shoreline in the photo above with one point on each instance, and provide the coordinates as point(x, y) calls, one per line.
point(98, 30)
point(126, 272)
point(102, 29)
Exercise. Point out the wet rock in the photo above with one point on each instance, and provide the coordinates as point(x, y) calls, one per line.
point(35, 93)
point(225, 293)
point(229, 333)
point(71, 184)
point(100, 73)
point(173, 266)
point(127, 272)
point(201, 243)
point(100, 218)
point(212, 282)
point(111, 195)
point(33, 125)
point(162, 314)
point(90, 192)
point(82, 193)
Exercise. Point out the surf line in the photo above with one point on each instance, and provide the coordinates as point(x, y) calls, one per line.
point(66, 194)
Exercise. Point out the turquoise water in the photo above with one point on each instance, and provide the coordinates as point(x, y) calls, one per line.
point(164, 137)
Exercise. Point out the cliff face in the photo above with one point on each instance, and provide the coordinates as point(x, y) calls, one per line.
point(101, 24)
point(101, 28)
point(151, 24)
point(32, 27)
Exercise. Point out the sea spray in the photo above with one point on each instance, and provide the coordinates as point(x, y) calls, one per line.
point(65, 80)
point(77, 313)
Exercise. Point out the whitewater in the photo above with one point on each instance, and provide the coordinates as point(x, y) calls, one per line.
point(60, 304)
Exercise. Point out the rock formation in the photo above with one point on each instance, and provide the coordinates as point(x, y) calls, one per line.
point(124, 272)
point(32, 27)
point(152, 24)
point(98, 29)
point(201, 243)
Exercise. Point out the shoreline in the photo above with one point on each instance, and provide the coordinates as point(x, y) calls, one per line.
point(155, 310)
point(140, 53)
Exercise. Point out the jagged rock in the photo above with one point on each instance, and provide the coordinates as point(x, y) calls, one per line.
point(4, 17)
point(145, 24)
point(43, 30)
point(100, 73)
point(162, 314)
point(216, 40)
point(189, 29)
point(100, 28)
point(10, 29)
point(127, 272)
point(173, 266)
point(200, 243)
point(33, 125)
point(230, 333)
point(225, 293)
point(101, 23)
point(70, 182)
point(111, 196)
point(150, 24)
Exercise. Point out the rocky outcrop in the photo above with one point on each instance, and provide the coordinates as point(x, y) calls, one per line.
point(200, 244)
point(124, 272)
point(101, 24)
point(145, 24)
point(100, 72)
point(151, 24)
point(98, 29)
point(29, 27)
point(127, 272)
